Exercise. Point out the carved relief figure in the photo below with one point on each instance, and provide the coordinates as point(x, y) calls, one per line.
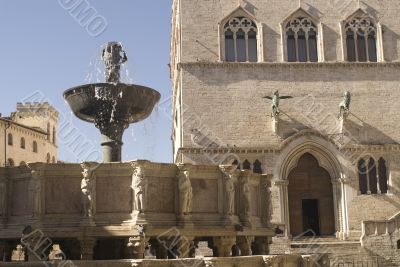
point(87, 187)
point(230, 194)
point(139, 189)
point(246, 197)
point(185, 193)
point(3, 197)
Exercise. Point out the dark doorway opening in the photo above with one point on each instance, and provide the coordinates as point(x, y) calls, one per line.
point(310, 213)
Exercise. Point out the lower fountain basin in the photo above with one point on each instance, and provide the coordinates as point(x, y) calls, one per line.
point(127, 103)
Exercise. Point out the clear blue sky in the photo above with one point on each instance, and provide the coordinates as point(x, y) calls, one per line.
point(44, 48)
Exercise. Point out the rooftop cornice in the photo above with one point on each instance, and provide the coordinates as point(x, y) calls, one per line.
point(263, 150)
point(290, 64)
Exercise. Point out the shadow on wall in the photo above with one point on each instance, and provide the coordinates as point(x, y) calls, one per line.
point(288, 126)
point(272, 40)
point(391, 44)
point(365, 133)
point(250, 7)
point(330, 37)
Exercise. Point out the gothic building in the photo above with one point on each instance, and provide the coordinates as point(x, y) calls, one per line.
point(306, 92)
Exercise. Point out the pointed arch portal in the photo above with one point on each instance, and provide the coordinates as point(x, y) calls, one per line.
point(310, 199)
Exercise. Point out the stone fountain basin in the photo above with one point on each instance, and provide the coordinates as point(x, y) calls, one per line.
point(127, 103)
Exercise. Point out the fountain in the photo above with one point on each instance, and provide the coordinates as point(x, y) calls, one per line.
point(112, 105)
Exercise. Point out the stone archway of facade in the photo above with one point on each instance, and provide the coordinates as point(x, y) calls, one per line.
point(310, 199)
point(326, 154)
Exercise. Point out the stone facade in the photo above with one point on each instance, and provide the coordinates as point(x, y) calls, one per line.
point(29, 135)
point(221, 115)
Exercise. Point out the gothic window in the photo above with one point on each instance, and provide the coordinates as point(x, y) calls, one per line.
point(398, 244)
point(48, 131)
point(361, 40)
point(10, 139)
point(372, 176)
point(34, 147)
point(246, 165)
point(301, 40)
point(257, 167)
point(382, 174)
point(362, 177)
point(236, 163)
point(22, 143)
point(240, 40)
point(54, 135)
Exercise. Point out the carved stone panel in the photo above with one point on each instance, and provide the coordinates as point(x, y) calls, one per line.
point(161, 195)
point(205, 195)
point(63, 195)
point(21, 198)
point(114, 194)
point(254, 200)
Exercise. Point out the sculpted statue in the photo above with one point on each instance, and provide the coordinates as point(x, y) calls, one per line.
point(113, 56)
point(139, 188)
point(87, 187)
point(344, 106)
point(246, 197)
point(230, 194)
point(185, 193)
point(275, 102)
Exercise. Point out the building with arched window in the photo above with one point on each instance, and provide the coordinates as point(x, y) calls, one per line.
point(282, 113)
point(27, 134)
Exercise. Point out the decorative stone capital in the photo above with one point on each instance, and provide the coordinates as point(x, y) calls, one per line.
point(227, 169)
point(184, 167)
point(224, 245)
point(281, 182)
point(136, 246)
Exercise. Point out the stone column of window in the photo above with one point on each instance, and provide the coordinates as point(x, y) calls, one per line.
point(224, 245)
point(261, 245)
point(162, 249)
point(235, 46)
point(368, 178)
point(244, 243)
point(87, 248)
point(185, 246)
point(307, 45)
point(378, 178)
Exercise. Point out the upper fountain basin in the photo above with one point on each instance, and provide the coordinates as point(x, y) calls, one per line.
point(128, 103)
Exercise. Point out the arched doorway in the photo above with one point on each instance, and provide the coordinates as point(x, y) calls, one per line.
point(310, 199)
